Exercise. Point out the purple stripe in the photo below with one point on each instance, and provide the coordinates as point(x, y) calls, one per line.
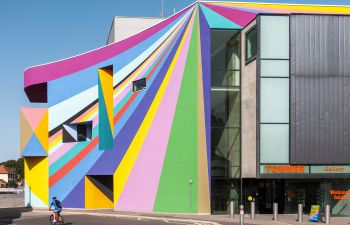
point(76, 198)
point(109, 161)
point(206, 73)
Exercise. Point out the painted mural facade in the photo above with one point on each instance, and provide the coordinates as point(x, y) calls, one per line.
point(146, 150)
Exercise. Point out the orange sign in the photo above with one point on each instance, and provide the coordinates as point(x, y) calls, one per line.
point(339, 194)
point(284, 169)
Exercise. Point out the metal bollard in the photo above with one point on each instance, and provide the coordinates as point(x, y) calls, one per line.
point(252, 210)
point(275, 211)
point(241, 214)
point(300, 213)
point(232, 209)
point(327, 213)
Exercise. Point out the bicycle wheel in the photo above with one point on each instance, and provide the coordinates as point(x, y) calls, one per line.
point(60, 220)
point(51, 220)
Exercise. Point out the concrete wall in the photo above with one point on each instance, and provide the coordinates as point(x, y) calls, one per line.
point(4, 177)
point(124, 27)
point(248, 111)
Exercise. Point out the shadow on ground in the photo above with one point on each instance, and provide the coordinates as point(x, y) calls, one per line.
point(7, 215)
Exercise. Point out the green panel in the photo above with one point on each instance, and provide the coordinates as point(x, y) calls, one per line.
point(175, 191)
point(106, 137)
point(274, 143)
point(274, 68)
point(274, 37)
point(216, 21)
point(274, 100)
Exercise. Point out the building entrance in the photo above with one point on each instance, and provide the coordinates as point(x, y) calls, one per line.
point(288, 193)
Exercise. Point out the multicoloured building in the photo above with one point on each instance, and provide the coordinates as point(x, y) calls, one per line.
point(173, 118)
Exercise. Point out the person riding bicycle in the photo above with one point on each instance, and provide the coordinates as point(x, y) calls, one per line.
point(57, 208)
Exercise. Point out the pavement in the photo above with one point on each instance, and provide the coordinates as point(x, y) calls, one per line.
point(261, 219)
point(12, 212)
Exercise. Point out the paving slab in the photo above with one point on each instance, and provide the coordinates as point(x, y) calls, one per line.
point(260, 219)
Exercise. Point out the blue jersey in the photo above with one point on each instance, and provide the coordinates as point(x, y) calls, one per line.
point(56, 208)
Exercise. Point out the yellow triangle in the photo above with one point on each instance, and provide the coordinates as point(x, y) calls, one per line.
point(94, 198)
point(106, 80)
point(26, 132)
point(42, 132)
point(36, 171)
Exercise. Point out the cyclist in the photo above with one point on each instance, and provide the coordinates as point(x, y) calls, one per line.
point(57, 208)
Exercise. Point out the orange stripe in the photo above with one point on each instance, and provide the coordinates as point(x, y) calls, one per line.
point(72, 163)
point(125, 107)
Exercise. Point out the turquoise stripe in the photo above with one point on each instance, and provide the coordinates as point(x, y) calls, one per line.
point(217, 21)
point(122, 103)
point(106, 137)
point(54, 167)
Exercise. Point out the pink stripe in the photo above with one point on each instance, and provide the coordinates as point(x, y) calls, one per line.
point(141, 187)
point(129, 86)
point(85, 113)
point(242, 18)
point(60, 151)
point(55, 70)
point(53, 137)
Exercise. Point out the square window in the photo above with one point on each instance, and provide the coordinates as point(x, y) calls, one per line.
point(251, 44)
point(77, 132)
point(139, 85)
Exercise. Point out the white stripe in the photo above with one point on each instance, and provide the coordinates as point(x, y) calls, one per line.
point(125, 71)
point(68, 108)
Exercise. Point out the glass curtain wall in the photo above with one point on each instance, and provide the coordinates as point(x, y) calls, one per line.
point(225, 119)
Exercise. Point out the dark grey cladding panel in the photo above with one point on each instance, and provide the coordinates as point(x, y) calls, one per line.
point(320, 89)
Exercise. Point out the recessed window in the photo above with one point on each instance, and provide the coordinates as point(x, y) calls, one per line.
point(139, 85)
point(77, 132)
point(251, 44)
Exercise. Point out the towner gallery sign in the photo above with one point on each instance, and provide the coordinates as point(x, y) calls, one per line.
point(285, 168)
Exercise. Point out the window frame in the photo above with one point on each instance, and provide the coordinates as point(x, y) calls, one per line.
point(252, 58)
point(139, 80)
point(88, 135)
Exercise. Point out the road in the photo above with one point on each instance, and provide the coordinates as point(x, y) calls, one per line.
point(19, 216)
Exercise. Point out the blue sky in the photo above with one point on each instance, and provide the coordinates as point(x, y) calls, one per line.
point(39, 31)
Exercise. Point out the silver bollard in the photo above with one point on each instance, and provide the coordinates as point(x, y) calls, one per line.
point(275, 211)
point(241, 214)
point(327, 213)
point(232, 209)
point(300, 213)
point(252, 210)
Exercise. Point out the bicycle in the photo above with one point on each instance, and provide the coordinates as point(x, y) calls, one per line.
point(60, 219)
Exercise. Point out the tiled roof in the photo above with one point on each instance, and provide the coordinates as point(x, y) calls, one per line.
point(5, 170)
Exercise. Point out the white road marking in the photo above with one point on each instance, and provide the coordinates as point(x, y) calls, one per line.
point(143, 218)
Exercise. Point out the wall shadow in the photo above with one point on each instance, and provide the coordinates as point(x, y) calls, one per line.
point(7, 215)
